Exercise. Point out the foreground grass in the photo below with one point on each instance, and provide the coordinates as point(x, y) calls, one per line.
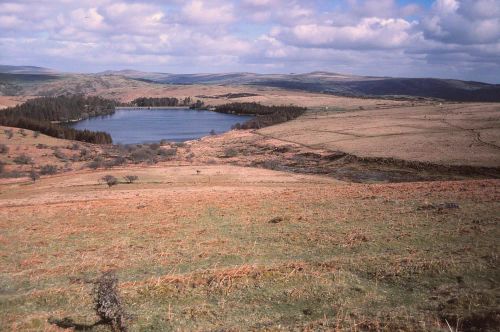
point(347, 257)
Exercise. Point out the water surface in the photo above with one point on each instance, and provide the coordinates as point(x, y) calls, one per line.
point(131, 126)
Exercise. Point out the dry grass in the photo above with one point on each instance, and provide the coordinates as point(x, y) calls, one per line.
point(194, 249)
point(197, 255)
point(450, 134)
point(10, 101)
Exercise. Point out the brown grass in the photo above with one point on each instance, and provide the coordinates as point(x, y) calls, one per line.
point(197, 255)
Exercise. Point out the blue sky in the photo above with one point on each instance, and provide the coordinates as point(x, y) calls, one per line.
point(426, 38)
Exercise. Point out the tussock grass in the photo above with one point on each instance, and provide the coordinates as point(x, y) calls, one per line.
point(354, 257)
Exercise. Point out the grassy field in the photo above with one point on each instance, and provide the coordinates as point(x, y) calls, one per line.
point(280, 229)
point(201, 251)
point(449, 134)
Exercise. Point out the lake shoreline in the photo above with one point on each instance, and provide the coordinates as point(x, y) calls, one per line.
point(163, 123)
point(140, 108)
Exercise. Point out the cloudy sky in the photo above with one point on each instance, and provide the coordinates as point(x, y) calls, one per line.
point(441, 38)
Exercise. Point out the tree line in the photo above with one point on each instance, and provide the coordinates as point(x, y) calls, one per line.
point(164, 102)
point(264, 115)
point(46, 113)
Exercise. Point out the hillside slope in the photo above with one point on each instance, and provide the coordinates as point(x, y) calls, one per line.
point(40, 81)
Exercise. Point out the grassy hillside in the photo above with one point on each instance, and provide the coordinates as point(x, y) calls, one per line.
point(246, 249)
point(39, 82)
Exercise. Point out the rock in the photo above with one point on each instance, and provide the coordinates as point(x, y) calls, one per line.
point(276, 220)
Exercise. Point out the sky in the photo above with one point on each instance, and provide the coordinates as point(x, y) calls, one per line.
point(405, 38)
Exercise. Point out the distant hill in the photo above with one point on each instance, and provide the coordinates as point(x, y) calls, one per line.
point(340, 84)
point(6, 69)
point(16, 79)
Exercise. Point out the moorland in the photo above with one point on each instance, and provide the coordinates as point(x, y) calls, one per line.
point(365, 212)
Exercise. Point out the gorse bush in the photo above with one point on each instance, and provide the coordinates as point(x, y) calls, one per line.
point(9, 133)
point(230, 152)
point(116, 161)
point(131, 178)
point(48, 169)
point(60, 155)
point(143, 154)
point(96, 163)
point(23, 159)
point(167, 152)
point(74, 146)
point(4, 149)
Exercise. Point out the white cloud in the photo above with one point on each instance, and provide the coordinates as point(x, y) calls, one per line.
point(9, 21)
point(374, 33)
point(202, 12)
point(463, 22)
point(362, 36)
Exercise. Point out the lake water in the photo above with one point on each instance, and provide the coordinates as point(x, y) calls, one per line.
point(129, 126)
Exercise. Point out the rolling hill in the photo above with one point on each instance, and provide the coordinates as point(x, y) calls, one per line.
point(27, 80)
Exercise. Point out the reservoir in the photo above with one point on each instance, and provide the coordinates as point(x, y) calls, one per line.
point(133, 126)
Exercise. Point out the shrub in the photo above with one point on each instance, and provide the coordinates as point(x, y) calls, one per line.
point(131, 178)
point(271, 164)
point(60, 155)
point(167, 152)
point(12, 174)
point(212, 132)
point(117, 161)
point(42, 146)
point(110, 180)
point(36, 134)
point(85, 154)
point(107, 302)
point(22, 132)
point(229, 153)
point(74, 146)
point(142, 154)
point(4, 149)
point(2, 167)
point(96, 163)
point(34, 175)
point(23, 159)
point(9, 133)
point(180, 144)
point(154, 146)
point(48, 169)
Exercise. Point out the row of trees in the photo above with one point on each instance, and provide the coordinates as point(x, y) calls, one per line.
point(44, 114)
point(165, 102)
point(160, 101)
point(264, 115)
